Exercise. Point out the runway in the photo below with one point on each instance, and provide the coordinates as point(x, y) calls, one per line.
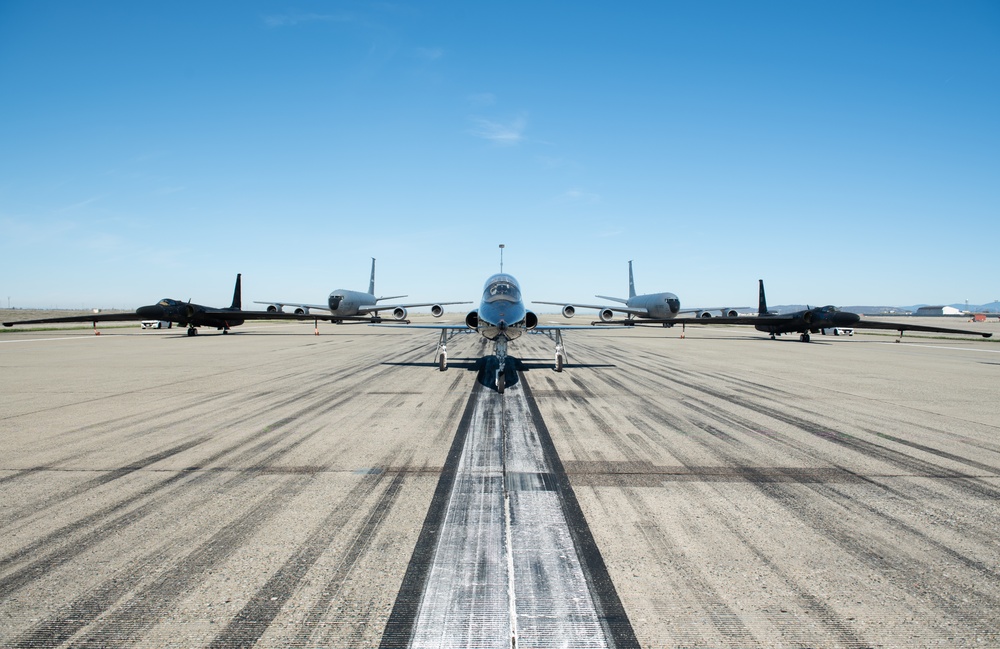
point(272, 488)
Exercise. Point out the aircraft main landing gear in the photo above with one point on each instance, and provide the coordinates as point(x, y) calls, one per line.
point(501, 354)
point(192, 331)
point(804, 337)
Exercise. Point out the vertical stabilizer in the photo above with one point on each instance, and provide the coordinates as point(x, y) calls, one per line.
point(237, 294)
point(371, 282)
point(631, 282)
point(761, 300)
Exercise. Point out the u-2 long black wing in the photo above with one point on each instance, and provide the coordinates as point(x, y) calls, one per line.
point(902, 326)
point(96, 317)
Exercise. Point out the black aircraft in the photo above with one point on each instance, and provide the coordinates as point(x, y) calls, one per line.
point(190, 315)
point(811, 320)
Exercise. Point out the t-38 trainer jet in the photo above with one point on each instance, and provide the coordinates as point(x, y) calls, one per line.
point(501, 318)
point(811, 320)
point(186, 314)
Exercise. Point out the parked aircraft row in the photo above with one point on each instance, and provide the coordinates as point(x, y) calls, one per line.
point(501, 316)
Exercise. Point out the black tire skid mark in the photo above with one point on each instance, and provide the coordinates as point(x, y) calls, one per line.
point(725, 620)
point(146, 605)
point(830, 433)
point(117, 623)
point(847, 540)
point(126, 513)
point(334, 586)
point(986, 536)
point(399, 627)
point(253, 620)
point(611, 613)
point(33, 509)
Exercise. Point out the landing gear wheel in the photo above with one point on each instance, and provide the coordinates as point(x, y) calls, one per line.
point(442, 362)
point(501, 380)
point(559, 362)
point(192, 331)
point(773, 337)
point(804, 337)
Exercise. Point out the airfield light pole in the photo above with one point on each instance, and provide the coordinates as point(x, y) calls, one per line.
point(501, 257)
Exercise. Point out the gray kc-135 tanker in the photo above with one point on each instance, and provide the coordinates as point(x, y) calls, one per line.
point(344, 304)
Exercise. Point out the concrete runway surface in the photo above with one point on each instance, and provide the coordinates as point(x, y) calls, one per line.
point(272, 488)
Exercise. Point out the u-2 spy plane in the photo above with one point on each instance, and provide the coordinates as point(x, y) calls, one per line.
point(184, 313)
point(344, 304)
point(813, 320)
point(657, 307)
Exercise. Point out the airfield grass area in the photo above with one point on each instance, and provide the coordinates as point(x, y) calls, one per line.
point(268, 487)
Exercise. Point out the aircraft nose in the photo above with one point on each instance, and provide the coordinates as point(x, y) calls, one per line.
point(153, 311)
point(846, 319)
point(674, 304)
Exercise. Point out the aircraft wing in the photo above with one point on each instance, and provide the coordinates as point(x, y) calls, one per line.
point(96, 317)
point(268, 315)
point(715, 320)
point(642, 313)
point(324, 307)
point(386, 307)
point(901, 327)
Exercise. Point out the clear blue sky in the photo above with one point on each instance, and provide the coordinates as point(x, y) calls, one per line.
point(845, 152)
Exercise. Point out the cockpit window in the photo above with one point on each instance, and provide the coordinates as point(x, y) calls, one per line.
point(505, 291)
point(167, 302)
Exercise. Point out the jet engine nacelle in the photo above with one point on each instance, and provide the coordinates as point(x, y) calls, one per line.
point(399, 313)
point(569, 311)
point(437, 310)
point(301, 310)
point(273, 308)
point(530, 320)
point(472, 320)
point(704, 314)
point(606, 315)
point(730, 313)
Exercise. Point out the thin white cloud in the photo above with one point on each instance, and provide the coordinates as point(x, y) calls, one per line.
point(501, 133)
point(290, 20)
point(578, 196)
point(429, 53)
point(482, 99)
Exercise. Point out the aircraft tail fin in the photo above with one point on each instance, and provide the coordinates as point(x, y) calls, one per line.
point(371, 282)
point(761, 300)
point(631, 281)
point(237, 294)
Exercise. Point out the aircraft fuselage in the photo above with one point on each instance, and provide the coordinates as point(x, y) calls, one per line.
point(502, 313)
point(347, 303)
point(657, 305)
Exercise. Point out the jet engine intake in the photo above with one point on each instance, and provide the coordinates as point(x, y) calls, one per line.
point(437, 310)
point(730, 313)
point(189, 311)
point(530, 320)
point(606, 315)
point(569, 311)
point(399, 313)
point(704, 314)
point(301, 310)
point(273, 308)
point(472, 320)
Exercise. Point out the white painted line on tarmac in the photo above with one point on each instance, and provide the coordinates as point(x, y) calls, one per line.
point(45, 340)
point(956, 349)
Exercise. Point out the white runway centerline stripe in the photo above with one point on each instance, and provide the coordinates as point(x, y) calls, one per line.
point(482, 568)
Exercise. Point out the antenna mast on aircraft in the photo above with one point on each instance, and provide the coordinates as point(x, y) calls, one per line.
point(501, 257)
